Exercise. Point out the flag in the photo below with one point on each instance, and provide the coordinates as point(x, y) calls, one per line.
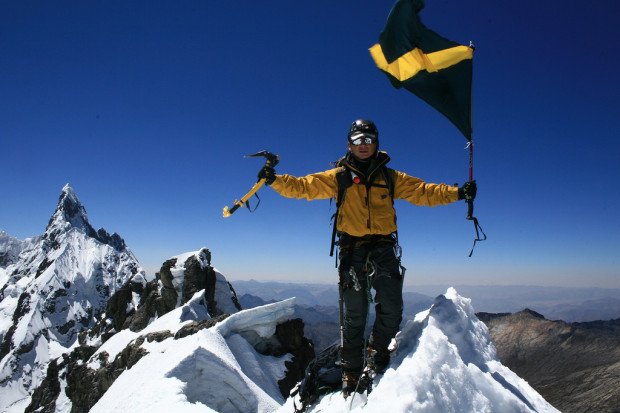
point(437, 70)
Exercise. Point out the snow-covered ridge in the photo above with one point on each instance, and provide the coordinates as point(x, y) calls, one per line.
point(444, 361)
point(213, 370)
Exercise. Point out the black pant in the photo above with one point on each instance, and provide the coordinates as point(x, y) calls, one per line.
point(357, 258)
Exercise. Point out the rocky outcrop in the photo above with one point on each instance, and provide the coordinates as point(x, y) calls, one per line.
point(169, 294)
point(291, 335)
point(184, 275)
point(175, 284)
point(86, 385)
point(196, 326)
point(574, 366)
point(44, 397)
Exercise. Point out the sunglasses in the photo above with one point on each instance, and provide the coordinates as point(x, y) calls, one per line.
point(362, 139)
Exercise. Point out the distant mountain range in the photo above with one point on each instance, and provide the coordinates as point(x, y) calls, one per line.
point(574, 366)
point(555, 303)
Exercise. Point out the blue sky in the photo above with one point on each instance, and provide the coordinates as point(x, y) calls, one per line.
point(146, 109)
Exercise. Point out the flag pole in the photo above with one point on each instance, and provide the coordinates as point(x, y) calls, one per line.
point(470, 202)
point(470, 145)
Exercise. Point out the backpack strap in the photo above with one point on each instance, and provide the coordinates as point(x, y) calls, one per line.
point(343, 181)
point(388, 177)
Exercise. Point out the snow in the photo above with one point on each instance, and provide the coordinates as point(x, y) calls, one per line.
point(213, 370)
point(259, 319)
point(223, 294)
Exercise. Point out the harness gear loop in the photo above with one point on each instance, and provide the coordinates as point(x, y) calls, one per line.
point(366, 378)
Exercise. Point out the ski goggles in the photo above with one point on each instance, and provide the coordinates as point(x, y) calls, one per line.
point(362, 139)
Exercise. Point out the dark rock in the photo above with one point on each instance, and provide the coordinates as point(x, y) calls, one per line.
point(114, 240)
point(532, 313)
point(195, 326)
point(64, 329)
point(86, 386)
point(5, 259)
point(44, 397)
point(43, 266)
point(197, 278)
point(234, 298)
point(116, 308)
point(486, 317)
point(151, 305)
point(168, 293)
point(23, 306)
point(158, 336)
point(291, 336)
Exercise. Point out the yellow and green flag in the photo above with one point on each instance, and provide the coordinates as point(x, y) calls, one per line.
point(437, 70)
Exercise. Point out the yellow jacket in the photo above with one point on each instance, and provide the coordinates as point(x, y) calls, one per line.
point(367, 209)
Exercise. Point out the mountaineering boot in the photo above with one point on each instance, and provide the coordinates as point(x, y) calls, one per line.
point(350, 382)
point(378, 359)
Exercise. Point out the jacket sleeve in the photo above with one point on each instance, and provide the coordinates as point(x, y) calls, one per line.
point(421, 193)
point(321, 185)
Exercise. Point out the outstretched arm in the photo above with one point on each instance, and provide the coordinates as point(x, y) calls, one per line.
point(421, 193)
point(321, 185)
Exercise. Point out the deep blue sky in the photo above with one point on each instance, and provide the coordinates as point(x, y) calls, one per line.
point(146, 108)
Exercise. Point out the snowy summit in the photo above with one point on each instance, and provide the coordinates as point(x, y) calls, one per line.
point(444, 362)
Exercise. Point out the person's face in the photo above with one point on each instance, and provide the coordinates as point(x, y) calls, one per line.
point(363, 147)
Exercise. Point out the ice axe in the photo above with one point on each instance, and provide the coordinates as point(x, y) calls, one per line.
point(271, 160)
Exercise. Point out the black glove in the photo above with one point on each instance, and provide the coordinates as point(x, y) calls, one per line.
point(267, 173)
point(468, 190)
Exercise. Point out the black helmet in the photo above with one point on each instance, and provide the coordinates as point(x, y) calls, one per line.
point(363, 126)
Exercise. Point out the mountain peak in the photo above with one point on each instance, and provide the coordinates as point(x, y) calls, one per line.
point(69, 213)
point(532, 313)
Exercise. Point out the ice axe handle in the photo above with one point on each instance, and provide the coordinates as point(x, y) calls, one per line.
point(229, 211)
point(271, 160)
point(240, 203)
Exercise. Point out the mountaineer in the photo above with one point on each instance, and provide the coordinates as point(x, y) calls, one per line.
point(369, 255)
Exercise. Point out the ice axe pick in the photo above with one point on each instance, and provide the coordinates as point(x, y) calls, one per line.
point(271, 160)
